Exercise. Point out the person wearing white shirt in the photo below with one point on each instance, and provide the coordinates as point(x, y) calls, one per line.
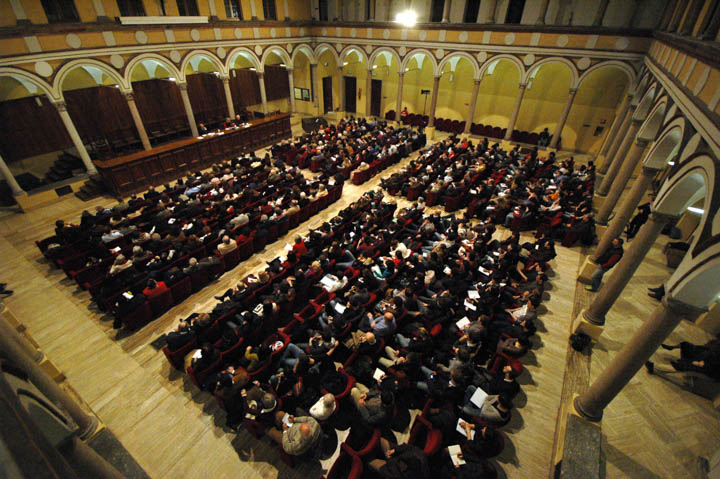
point(323, 408)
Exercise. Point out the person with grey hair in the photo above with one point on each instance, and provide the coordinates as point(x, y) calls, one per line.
point(227, 245)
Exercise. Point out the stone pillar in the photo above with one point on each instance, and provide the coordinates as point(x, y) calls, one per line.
point(341, 91)
point(287, 11)
point(446, 11)
point(622, 272)
point(562, 9)
point(433, 101)
point(213, 10)
point(600, 14)
point(188, 108)
point(45, 384)
point(620, 181)
point(291, 86)
point(372, 10)
point(619, 158)
point(617, 140)
point(19, 11)
point(563, 118)
point(315, 87)
point(72, 131)
point(11, 181)
point(228, 97)
point(632, 357)
point(130, 99)
point(631, 201)
point(398, 102)
point(516, 110)
point(368, 87)
point(263, 94)
point(490, 12)
point(253, 10)
point(542, 11)
point(86, 462)
point(609, 137)
point(340, 10)
point(667, 14)
point(100, 11)
point(473, 103)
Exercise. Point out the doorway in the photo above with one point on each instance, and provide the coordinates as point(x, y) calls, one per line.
point(350, 94)
point(327, 94)
point(375, 97)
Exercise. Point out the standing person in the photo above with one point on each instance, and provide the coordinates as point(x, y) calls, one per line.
point(606, 261)
point(638, 220)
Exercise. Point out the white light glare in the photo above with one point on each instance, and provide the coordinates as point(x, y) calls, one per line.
point(172, 79)
point(407, 18)
point(698, 211)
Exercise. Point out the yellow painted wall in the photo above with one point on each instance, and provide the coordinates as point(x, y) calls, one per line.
point(455, 90)
point(388, 74)
point(301, 79)
point(357, 67)
point(11, 89)
point(327, 66)
point(497, 94)
point(419, 76)
point(545, 99)
point(7, 17)
point(34, 11)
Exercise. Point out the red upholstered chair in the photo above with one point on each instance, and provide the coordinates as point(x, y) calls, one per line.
point(161, 303)
point(347, 465)
point(200, 278)
point(245, 249)
point(414, 192)
point(181, 290)
point(140, 317)
point(231, 259)
point(371, 445)
point(350, 383)
point(425, 436)
point(453, 203)
point(177, 357)
point(431, 198)
point(198, 377)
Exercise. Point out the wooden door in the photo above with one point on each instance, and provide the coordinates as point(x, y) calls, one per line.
point(350, 94)
point(375, 97)
point(327, 94)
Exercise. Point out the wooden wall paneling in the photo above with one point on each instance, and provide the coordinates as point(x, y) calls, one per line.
point(207, 96)
point(30, 127)
point(245, 88)
point(168, 165)
point(277, 85)
point(161, 108)
point(140, 176)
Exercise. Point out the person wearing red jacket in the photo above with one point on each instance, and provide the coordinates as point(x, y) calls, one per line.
point(606, 261)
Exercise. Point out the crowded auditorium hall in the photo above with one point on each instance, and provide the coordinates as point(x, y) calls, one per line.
point(373, 239)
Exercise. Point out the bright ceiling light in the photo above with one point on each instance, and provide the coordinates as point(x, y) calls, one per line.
point(406, 18)
point(698, 211)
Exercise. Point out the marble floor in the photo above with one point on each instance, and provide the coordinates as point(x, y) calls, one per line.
point(653, 429)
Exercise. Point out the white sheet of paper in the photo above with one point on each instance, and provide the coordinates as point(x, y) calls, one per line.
point(473, 294)
point(379, 373)
point(286, 419)
point(327, 281)
point(447, 270)
point(484, 271)
point(339, 308)
point(463, 322)
point(470, 306)
point(461, 430)
point(197, 354)
point(478, 397)
point(454, 451)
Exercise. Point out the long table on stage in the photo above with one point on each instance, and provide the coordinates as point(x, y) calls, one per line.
point(137, 171)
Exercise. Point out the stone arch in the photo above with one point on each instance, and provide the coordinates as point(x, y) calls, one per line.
point(105, 68)
point(654, 121)
point(245, 53)
point(322, 48)
point(466, 56)
point(24, 76)
point(667, 146)
point(201, 53)
point(138, 60)
point(622, 66)
point(511, 58)
point(646, 102)
point(348, 50)
point(277, 51)
point(382, 51)
point(570, 65)
point(416, 52)
point(306, 50)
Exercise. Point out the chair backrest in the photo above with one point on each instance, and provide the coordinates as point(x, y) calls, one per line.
point(181, 290)
point(161, 303)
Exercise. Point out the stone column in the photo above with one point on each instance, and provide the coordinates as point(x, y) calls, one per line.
point(228, 97)
point(291, 86)
point(287, 10)
point(446, 11)
point(11, 181)
point(617, 140)
point(631, 201)
point(253, 10)
point(17, 354)
point(100, 11)
point(563, 118)
point(188, 108)
point(516, 110)
point(77, 141)
point(398, 102)
point(622, 111)
point(339, 10)
point(263, 94)
point(632, 357)
point(372, 10)
point(489, 12)
point(315, 87)
point(542, 11)
point(368, 87)
point(621, 179)
point(433, 101)
point(600, 14)
point(213, 10)
point(473, 103)
point(622, 272)
point(19, 11)
point(619, 158)
point(341, 91)
point(130, 99)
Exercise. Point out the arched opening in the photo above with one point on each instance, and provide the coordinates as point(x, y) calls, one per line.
point(277, 85)
point(303, 86)
point(455, 88)
point(546, 94)
point(418, 84)
point(29, 151)
point(158, 99)
point(244, 83)
point(327, 71)
point(593, 109)
point(354, 73)
point(384, 85)
point(496, 95)
point(205, 89)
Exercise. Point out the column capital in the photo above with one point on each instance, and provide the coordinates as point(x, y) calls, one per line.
point(573, 90)
point(289, 69)
point(650, 170)
point(260, 73)
point(182, 85)
point(129, 96)
point(658, 217)
point(681, 308)
point(225, 79)
point(401, 74)
point(522, 86)
point(636, 121)
point(60, 105)
point(642, 142)
point(477, 81)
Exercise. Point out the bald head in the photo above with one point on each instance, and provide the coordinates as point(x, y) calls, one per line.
point(304, 429)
